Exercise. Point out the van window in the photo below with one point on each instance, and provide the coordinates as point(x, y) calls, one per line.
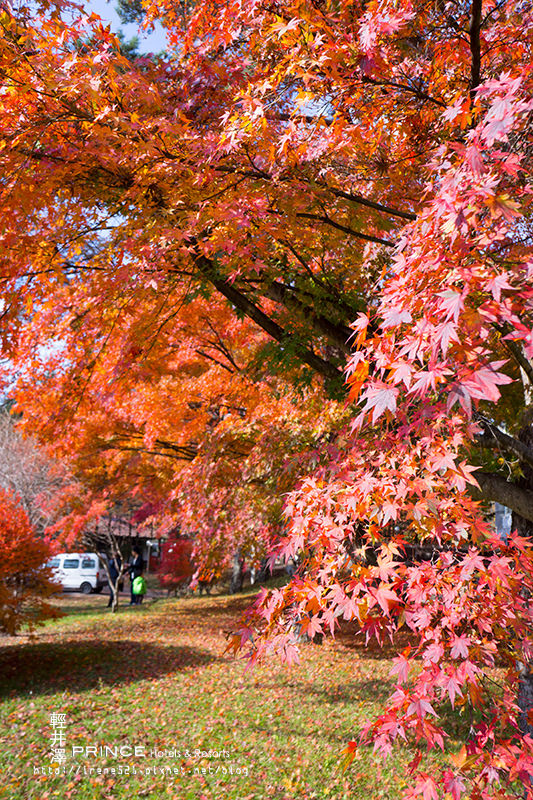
point(71, 563)
point(88, 563)
point(54, 562)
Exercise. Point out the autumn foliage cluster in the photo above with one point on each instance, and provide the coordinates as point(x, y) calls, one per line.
point(26, 584)
point(284, 277)
point(176, 567)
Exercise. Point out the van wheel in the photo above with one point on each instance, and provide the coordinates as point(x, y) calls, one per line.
point(86, 588)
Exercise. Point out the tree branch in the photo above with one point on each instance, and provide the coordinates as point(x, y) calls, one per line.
point(132, 449)
point(524, 452)
point(362, 201)
point(420, 93)
point(515, 350)
point(282, 117)
point(496, 489)
point(208, 270)
point(126, 441)
point(339, 334)
point(344, 228)
point(214, 360)
point(259, 174)
point(475, 46)
point(221, 346)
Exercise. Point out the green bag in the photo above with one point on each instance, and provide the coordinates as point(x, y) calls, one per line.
point(139, 585)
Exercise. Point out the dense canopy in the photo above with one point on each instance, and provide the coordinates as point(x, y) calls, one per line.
point(197, 245)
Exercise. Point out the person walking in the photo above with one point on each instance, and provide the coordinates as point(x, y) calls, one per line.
point(112, 580)
point(139, 589)
point(136, 570)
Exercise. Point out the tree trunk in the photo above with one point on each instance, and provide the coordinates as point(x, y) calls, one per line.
point(237, 574)
point(525, 528)
point(525, 698)
point(115, 591)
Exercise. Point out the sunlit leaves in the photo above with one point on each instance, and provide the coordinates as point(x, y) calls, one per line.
point(26, 584)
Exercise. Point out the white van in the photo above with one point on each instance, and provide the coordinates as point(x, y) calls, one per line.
point(79, 572)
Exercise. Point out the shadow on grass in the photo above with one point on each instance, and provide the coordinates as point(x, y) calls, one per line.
point(79, 610)
point(46, 667)
point(373, 690)
point(234, 605)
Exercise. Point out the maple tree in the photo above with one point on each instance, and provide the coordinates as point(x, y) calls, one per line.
point(197, 236)
point(26, 584)
point(176, 568)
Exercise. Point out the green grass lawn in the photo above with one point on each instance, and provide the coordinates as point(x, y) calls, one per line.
point(156, 677)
